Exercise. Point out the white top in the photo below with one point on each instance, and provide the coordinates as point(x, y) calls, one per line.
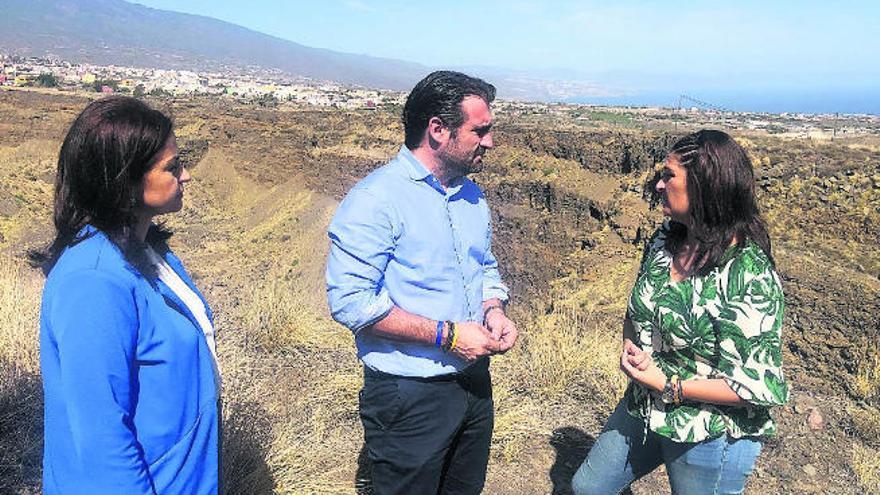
point(192, 301)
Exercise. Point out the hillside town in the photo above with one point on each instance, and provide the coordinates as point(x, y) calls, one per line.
point(262, 86)
point(268, 87)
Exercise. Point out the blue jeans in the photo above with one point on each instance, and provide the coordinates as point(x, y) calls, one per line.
point(717, 466)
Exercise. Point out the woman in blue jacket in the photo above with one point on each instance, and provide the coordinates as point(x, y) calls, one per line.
point(126, 340)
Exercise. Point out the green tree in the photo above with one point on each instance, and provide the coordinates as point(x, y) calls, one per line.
point(159, 92)
point(46, 80)
point(267, 100)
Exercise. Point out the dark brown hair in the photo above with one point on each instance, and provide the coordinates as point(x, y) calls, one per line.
point(105, 155)
point(440, 94)
point(721, 193)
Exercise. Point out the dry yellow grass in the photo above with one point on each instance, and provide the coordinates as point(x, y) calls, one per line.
point(571, 349)
point(26, 174)
point(566, 360)
point(575, 347)
point(306, 456)
point(20, 392)
point(518, 419)
point(19, 313)
point(866, 382)
point(280, 316)
point(283, 229)
point(866, 423)
point(290, 374)
point(866, 464)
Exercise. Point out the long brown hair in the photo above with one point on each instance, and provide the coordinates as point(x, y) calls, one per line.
point(105, 155)
point(721, 193)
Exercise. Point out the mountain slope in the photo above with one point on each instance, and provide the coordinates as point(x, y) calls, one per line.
point(117, 32)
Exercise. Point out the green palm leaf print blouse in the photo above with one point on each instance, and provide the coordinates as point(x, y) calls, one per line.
point(723, 325)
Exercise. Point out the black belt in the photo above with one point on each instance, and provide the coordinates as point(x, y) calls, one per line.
point(479, 366)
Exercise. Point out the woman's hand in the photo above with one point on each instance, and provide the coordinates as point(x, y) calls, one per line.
point(640, 367)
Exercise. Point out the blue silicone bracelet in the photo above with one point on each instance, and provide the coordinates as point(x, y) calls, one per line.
point(439, 339)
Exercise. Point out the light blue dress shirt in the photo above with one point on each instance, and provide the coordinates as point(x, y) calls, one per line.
point(398, 238)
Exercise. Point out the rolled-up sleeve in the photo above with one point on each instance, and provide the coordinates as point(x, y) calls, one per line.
point(362, 238)
point(493, 287)
point(749, 328)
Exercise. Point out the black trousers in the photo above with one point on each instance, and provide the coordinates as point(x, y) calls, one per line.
point(428, 436)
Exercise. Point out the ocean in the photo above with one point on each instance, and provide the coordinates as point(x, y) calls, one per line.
point(863, 101)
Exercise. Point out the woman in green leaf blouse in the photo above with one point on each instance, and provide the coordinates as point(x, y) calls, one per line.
point(701, 340)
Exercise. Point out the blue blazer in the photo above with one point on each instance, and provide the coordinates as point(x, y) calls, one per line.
point(130, 397)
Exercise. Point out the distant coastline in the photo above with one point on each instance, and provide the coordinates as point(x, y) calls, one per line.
point(864, 101)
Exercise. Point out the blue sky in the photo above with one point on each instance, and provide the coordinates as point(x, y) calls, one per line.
point(627, 45)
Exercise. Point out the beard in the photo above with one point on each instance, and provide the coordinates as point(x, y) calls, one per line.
point(463, 162)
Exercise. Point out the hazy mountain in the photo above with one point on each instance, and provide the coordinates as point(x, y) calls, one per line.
point(116, 32)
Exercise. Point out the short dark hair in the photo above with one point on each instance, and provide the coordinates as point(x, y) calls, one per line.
point(721, 193)
point(440, 94)
point(107, 151)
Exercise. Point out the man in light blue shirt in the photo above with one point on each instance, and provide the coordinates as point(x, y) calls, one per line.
point(412, 274)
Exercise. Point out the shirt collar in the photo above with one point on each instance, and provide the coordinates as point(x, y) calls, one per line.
point(417, 171)
point(414, 168)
